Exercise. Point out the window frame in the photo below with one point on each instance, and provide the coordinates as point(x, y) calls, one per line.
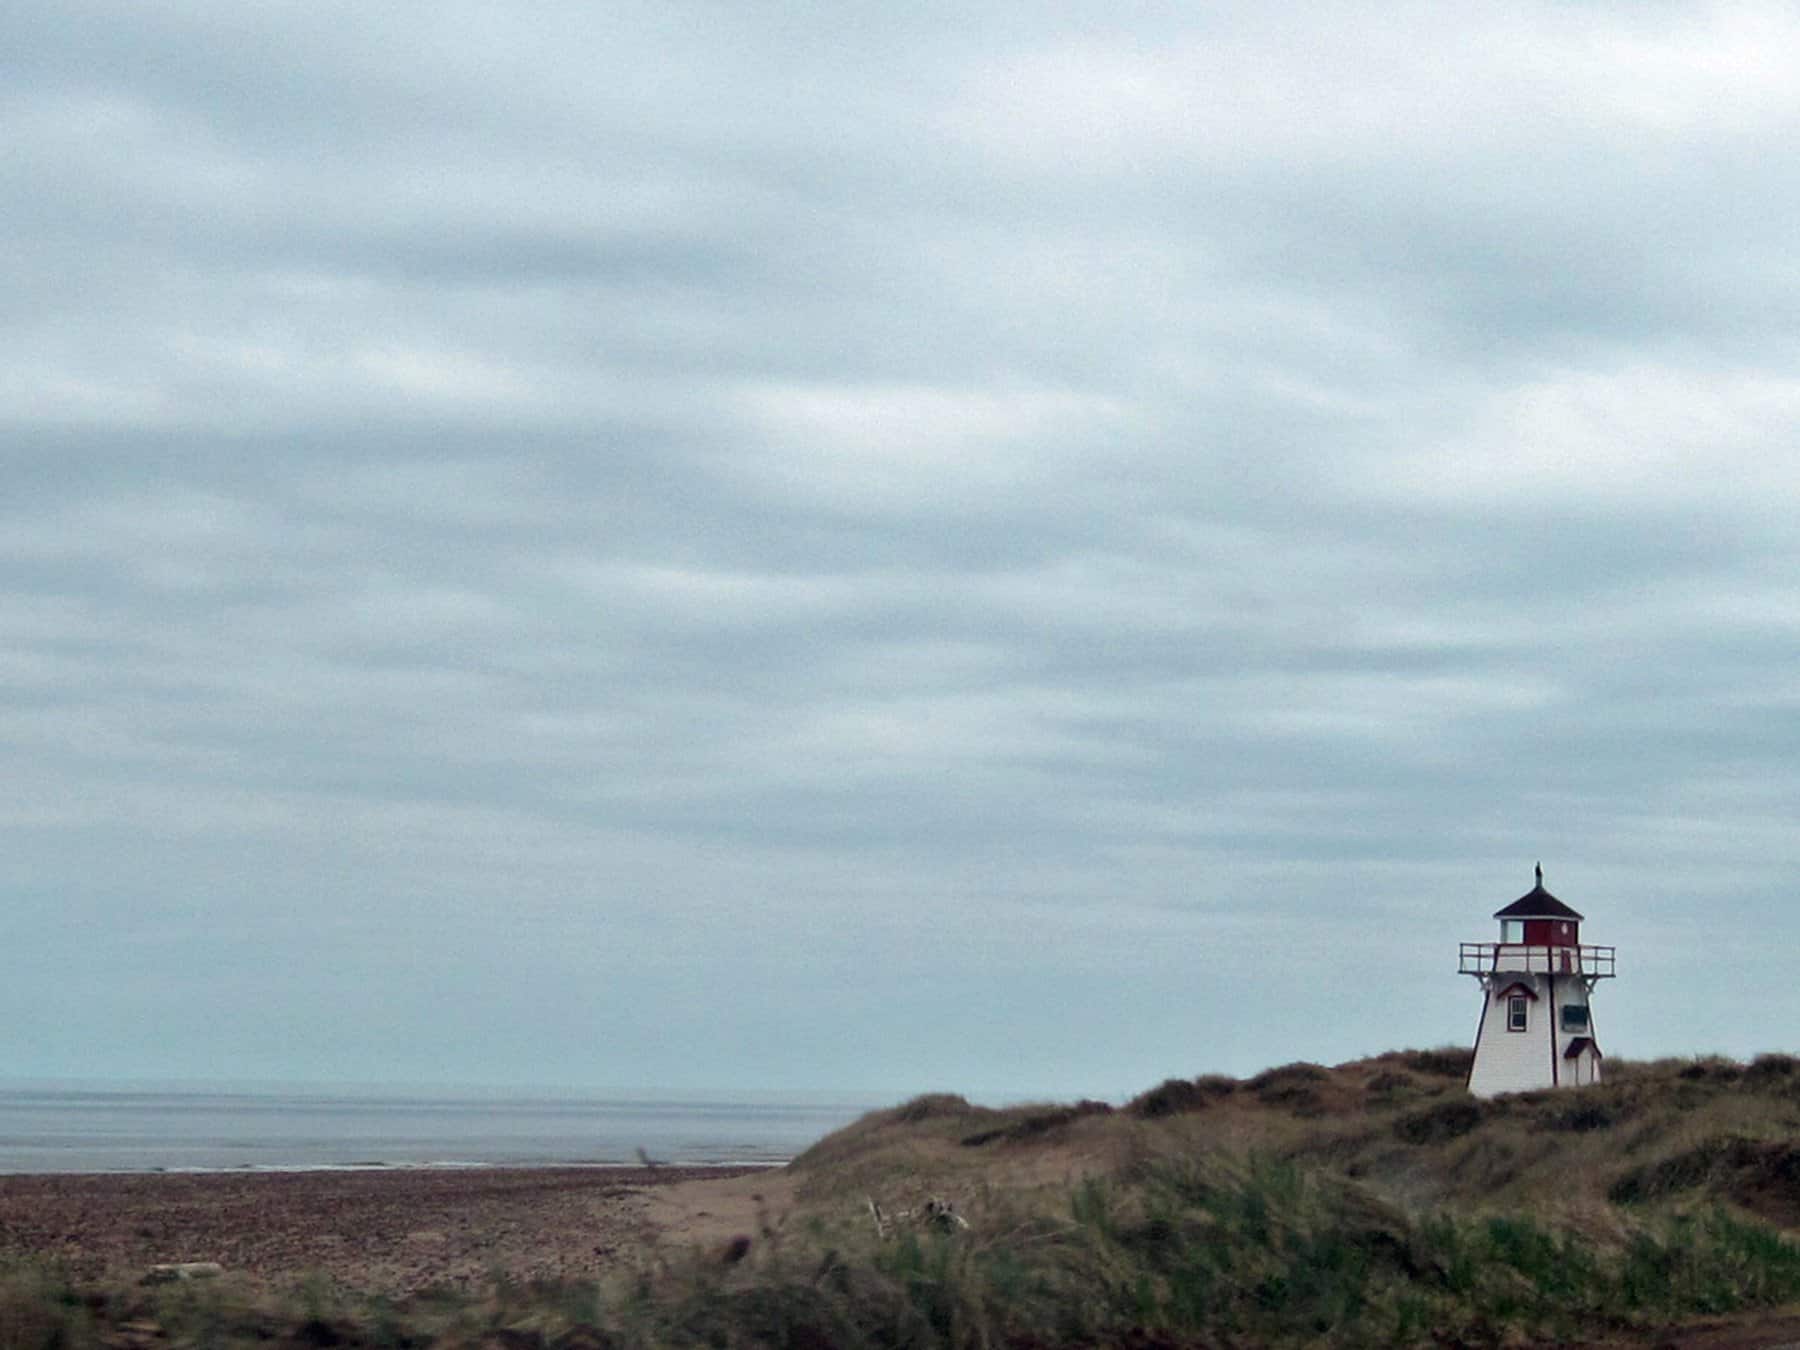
point(1518, 1012)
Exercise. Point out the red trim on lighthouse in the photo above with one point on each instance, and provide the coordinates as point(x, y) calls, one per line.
point(1516, 987)
point(1555, 1075)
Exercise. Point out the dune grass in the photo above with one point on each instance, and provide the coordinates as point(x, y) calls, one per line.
point(1372, 1203)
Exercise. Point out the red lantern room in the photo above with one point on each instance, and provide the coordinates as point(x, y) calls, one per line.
point(1539, 919)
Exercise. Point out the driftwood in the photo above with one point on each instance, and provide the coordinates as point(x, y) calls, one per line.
point(171, 1271)
point(935, 1213)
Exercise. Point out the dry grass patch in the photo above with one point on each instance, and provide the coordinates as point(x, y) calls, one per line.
point(1371, 1203)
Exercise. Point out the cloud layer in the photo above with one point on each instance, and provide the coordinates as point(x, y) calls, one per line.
point(678, 545)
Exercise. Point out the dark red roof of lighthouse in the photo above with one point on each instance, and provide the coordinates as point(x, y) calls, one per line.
point(1537, 903)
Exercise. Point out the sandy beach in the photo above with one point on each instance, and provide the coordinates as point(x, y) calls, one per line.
point(381, 1230)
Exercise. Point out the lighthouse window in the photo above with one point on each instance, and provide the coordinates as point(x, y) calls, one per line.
point(1574, 1017)
point(1512, 930)
point(1515, 1013)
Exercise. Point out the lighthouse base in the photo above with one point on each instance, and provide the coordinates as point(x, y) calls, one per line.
point(1536, 1031)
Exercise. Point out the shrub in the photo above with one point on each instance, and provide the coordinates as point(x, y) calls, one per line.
point(39, 1310)
point(1445, 1062)
point(1583, 1116)
point(1287, 1076)
point(1435, 1124)
point(1390, 1084)
point(932, 1106)
point(1177, 1096)
point(1715, 1159)
point(1772, 1072)
point(1295, 1088)
point(1039, 1123)
point(1714, 1069)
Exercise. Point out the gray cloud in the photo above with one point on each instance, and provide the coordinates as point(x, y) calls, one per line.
point(877, 549)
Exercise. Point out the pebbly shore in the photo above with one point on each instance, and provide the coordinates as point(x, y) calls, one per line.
point(388, 1230)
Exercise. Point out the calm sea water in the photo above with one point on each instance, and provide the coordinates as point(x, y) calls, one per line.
point(123, 1129)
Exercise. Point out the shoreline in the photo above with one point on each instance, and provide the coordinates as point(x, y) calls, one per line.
point(441, 1165)
point(378, 1229)
point(126, 1131)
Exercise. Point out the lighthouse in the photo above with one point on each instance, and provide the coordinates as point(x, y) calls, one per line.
point(1537, 1028)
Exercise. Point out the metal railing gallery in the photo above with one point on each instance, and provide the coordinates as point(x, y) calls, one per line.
point(1487, 958)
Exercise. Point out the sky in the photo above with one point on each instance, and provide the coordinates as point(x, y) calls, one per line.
point(1015, 550)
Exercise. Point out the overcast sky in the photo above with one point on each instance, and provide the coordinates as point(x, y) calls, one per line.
point(855, 546)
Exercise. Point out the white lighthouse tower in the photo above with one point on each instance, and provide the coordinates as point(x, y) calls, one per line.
point(1536, 1028)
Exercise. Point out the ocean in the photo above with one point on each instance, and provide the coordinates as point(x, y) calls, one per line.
point(64, 1128)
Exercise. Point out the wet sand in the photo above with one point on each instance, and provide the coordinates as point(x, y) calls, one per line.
point(388, 1230)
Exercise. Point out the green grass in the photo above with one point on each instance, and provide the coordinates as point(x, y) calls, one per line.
point(1371, 1204)
point(1187, 1252)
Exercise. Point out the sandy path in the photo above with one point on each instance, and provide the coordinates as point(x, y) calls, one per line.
point(707, 1211)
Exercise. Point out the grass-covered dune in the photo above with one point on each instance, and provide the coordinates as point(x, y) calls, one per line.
point(1371, 1203)
point(1401, 1126)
